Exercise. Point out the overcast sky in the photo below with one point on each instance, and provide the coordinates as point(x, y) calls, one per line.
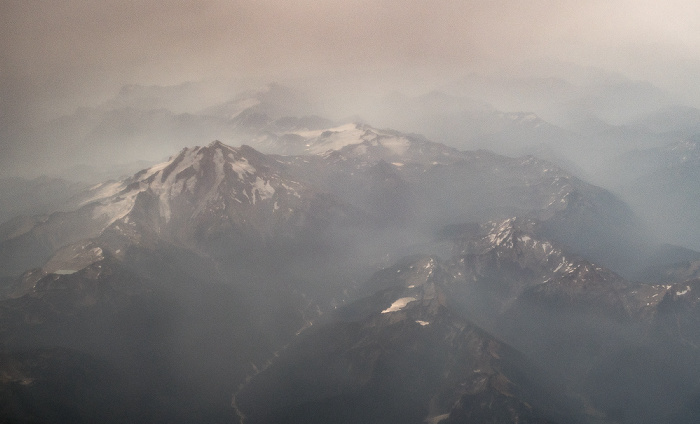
point(57, 54)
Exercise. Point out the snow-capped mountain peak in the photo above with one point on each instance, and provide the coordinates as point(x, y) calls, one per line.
point(357, 138)
point(198, 180)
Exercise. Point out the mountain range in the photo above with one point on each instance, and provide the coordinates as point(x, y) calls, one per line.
point(356, 274)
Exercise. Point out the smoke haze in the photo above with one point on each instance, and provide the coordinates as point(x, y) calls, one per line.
point(535, 159)
point(110, 83)
point(60, 55)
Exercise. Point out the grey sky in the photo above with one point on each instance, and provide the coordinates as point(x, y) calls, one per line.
point(56, 55)
point(56, 48)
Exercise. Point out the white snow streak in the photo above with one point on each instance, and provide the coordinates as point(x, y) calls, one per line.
point(399, 304)
point(681, 293)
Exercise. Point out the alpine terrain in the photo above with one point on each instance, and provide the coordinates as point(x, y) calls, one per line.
point(349, 274)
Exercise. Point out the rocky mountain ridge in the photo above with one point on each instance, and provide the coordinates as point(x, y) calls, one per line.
point(281, 253)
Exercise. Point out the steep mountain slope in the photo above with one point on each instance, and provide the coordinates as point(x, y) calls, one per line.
point(202, 194)
point(391, 176)
point(407, 176)
point(208, 263)
point(173, 337)
point(608, 342)
point(590, 333)
point(400, 355)
point(580, 321)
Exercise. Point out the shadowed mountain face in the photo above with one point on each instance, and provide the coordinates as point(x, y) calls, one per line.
point(225, 272)
point(389, 368)
point(591, 346)
point(400, 355)
point(606, 337)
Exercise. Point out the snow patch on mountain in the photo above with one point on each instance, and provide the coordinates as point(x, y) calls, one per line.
point(262, 190)
point(399, 304)
point(361, 137)
point(683, 292)
point(241, 167)
point(502, 235)
point(317, 133)
point(103, 190)
point(115, 207)
point(197, 169)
